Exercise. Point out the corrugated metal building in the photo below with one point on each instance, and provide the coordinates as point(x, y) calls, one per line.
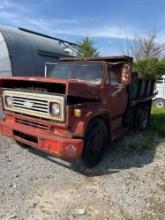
point(25, 54)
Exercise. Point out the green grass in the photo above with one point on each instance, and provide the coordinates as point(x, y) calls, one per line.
point(139, 143)
point(149, 141)
point(162, 187)
point(125, 215)
point(157, 123)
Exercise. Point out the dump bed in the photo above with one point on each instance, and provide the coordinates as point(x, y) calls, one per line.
point(140, 90)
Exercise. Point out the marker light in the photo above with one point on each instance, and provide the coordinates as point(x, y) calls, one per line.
point(77, 113)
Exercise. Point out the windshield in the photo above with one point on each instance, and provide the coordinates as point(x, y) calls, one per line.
point(91, 72)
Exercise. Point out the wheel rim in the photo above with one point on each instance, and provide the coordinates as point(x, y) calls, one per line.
point(160, 105)
point(96, 141)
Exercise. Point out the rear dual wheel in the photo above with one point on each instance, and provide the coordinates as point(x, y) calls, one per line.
point(142, 118)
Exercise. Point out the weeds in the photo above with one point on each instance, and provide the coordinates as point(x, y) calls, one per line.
point(157, 123)
point(162, 187)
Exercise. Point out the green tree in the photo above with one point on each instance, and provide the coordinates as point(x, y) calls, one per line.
point(150, 68)
point(86, 48)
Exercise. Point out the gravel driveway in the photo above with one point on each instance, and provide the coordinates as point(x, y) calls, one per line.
point(128, 184)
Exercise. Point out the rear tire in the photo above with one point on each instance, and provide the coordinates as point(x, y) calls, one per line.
point(159, 103)
point(95, 142)
point(141, 118)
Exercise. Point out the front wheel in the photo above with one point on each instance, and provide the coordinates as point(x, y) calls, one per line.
point(95, 142)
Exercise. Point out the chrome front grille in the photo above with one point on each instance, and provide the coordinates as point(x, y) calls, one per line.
point(34, 104)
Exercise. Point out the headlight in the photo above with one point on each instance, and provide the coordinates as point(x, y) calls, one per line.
point(55, 109)
point(9, 101)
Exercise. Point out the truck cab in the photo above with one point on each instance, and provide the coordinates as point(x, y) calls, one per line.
point(81, 105)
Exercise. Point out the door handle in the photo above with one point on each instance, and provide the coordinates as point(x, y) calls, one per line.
point(117, 92)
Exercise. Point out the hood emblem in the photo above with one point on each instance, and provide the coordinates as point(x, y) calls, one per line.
point(28, 104)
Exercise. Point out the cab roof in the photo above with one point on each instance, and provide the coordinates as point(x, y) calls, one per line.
point(111, 59)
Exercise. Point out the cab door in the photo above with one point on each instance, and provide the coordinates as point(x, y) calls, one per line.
point(116, 92)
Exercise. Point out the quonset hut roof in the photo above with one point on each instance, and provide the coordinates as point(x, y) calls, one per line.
point(23, 53)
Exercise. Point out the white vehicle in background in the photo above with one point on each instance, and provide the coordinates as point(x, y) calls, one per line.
point(159, 99)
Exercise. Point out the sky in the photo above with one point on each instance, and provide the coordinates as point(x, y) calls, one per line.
point(112, 24)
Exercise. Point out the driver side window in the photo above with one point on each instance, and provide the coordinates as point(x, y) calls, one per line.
point(113, 78)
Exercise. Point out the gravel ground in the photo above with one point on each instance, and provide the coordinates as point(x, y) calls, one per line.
point(128, 184)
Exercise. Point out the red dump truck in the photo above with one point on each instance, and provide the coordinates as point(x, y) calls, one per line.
point(80, 106)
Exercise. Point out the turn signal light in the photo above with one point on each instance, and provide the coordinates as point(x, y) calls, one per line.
point(77, 113)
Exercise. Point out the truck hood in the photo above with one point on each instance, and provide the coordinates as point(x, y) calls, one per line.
point(74, 88)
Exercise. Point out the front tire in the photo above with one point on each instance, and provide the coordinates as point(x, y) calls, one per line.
point(95, 142)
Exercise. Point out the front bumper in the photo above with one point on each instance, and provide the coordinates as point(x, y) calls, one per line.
point(61, 147)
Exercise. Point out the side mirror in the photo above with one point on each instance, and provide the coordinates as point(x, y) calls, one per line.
point(126, 74)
